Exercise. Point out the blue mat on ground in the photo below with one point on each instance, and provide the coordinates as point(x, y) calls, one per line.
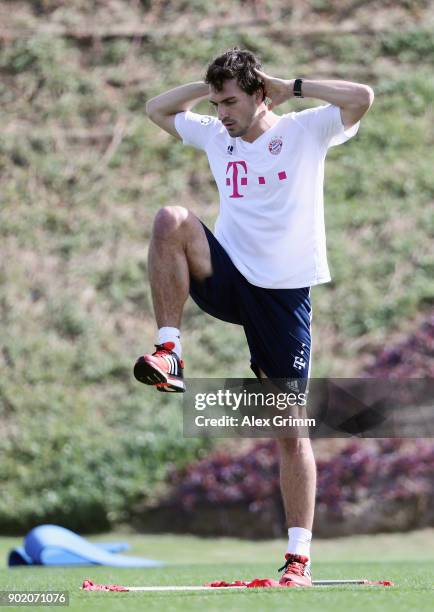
point(53, 545)
point(18, 556)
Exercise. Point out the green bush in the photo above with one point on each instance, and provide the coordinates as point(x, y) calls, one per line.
point(414, 45)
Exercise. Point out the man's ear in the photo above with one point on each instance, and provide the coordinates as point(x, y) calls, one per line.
point(259, 96)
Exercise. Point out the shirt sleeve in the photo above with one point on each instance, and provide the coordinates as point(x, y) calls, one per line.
point(196, 130)
point(325, 123)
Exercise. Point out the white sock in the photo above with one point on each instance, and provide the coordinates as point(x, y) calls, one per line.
point(299, 540)
point(170, 334)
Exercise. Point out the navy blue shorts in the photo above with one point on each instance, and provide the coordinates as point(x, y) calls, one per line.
point(276, 321)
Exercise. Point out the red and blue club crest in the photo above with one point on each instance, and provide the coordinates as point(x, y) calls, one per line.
point(275, 145)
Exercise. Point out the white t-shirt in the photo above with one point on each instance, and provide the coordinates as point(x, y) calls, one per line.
point(271, 218)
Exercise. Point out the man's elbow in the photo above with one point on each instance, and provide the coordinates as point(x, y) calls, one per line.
point(366, 96)
point(150, 109)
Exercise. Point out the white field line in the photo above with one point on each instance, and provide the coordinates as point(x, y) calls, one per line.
point(209, 588)
point(183, 588)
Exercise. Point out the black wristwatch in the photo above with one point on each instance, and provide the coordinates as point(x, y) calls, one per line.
point(297, 88)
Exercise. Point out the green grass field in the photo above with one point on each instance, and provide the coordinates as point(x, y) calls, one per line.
point(407, 559)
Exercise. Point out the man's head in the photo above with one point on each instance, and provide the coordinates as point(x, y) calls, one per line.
point(235, 89)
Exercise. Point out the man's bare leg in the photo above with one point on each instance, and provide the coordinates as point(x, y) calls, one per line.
point(178, 247)
point(297, 480)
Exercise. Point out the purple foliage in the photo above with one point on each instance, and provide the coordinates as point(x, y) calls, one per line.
point(411, 358)
point(385, 470)
point(223, 478)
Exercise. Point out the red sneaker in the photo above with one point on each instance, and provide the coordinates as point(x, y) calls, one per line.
point(296, 571)
point(163, 369)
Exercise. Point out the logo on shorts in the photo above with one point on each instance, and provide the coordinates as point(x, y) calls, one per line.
point(299, 363)
point(275, 145)
point(205, 120)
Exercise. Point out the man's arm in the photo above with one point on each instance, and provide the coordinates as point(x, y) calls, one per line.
point(163, 108)
point(354, 99)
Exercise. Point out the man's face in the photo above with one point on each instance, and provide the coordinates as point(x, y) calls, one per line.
point(235, 108)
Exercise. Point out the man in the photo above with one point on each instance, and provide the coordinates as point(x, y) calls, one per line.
point(269, 246)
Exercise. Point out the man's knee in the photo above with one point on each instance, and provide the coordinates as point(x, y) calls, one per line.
point(169, 221)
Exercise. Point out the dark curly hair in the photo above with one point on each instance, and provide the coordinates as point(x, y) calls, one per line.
point(236, 64)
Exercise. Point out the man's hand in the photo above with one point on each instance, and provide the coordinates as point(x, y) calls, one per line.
point(278, 90)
